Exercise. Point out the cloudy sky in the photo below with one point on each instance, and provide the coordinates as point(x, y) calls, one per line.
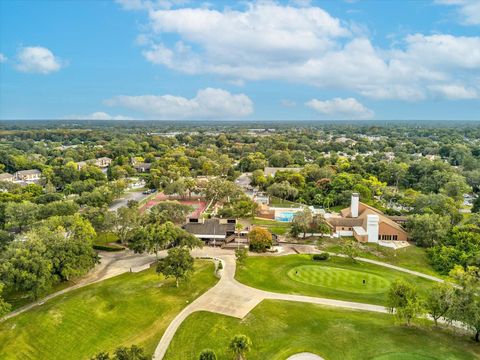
point(249, 60)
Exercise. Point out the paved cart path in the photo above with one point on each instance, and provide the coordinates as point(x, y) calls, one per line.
point(229, 297)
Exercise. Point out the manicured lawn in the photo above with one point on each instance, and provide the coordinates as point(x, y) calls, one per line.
point(125, 310)
point(277, 202)
point(275, 227)
point(337, 278)
point(279, 329)
point(340, 279)
point(104, 238)
point(411, 257)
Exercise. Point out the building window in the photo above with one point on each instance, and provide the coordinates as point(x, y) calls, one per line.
point(395, 237)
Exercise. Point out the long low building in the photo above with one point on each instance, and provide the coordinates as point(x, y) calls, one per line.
point(211, 230)
point(367, 224)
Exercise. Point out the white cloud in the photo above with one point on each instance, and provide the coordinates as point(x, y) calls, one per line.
point(37, 59)
point(456, 92)
point(468, 10)
point(339, 108)
point(208, 103)
point(270, 41)
point(3, 58)
point(99, 115)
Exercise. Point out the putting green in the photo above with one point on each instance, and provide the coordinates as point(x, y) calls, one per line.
point(340, 279)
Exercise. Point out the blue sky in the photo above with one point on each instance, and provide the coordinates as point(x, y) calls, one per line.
point(252, 60)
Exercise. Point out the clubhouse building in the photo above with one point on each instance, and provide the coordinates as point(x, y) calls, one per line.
point(367, 224)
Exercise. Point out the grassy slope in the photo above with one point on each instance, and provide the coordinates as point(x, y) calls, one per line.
point(277, 202)
point(271, 273)
point(411, 257)
point(279, 329)
point(275, 227)
point(128, 309)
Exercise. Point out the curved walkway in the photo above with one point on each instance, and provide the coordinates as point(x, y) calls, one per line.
point(229, 297)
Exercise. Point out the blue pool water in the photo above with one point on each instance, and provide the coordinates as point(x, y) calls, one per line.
point(284, 216)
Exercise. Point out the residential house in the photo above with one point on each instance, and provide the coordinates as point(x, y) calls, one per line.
point(367, 224)
point(7, 177)
point(142, 167)
point(103, 162)
point(28, 175)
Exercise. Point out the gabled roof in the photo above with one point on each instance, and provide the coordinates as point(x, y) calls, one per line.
point(361, 207)
point(342, 221)
point(6, 176)
point(364, 210)
point(29, 172)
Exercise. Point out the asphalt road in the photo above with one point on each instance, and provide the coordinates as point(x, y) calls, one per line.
point(121, 202)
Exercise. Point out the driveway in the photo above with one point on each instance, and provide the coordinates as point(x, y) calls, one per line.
point(121, 202)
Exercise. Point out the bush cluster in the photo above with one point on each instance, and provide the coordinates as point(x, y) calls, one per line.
point(321, 256)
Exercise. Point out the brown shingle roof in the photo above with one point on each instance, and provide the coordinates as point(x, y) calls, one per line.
point(341, 221)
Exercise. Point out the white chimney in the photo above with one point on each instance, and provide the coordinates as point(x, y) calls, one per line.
point(354, 205)
point(372, 228)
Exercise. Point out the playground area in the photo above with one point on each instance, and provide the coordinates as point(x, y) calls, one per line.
point(197, 203)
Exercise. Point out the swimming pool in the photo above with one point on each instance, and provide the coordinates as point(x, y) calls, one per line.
point(284, 216)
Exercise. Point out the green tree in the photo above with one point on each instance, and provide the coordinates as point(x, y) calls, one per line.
point(207, 354)
point(240, 345)
point(178, 264)
point(20, 215)
point(466, 302)
point(351, 249)
point(4, 306)
point(282, 190)
point(301, 222)
point(260, 239)
point(439, 301)
point(24, 267)
point(218, 189)
point(241, 255)
point(153, 238)
point(428, 229)
point(134, 352)
point(126, 223)
point(69, 251)
point(169, 211)
point(403, 300)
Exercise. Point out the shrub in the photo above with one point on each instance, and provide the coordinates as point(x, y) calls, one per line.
point(260, 239)
point(111, 248)
point(321, 256)
point(220, 265)
point(207, 354)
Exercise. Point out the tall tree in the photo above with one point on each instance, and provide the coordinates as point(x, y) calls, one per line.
point(178, 264)
point(4, 306)
point(404, 301)
point(439, 301)
point(24, 267)
point(428, 229)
